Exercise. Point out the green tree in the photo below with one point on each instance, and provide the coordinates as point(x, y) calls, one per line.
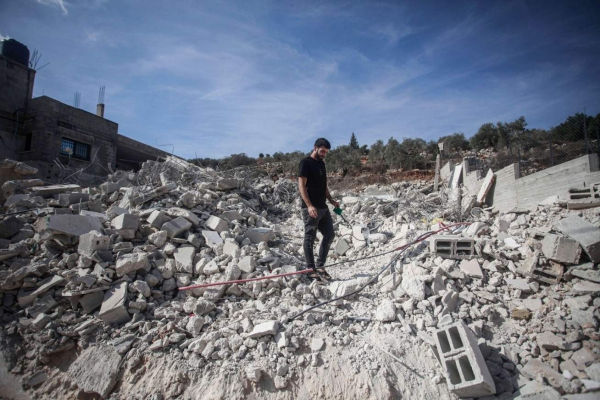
point(261, 155)
point(413, 152)
point(343, 159)
point(376, 153)
point(354, 142)
point(455, 142)
point(393, 153)
point(572, 129)
point(486, 137)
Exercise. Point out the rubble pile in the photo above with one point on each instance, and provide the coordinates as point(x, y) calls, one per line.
point(91, 286)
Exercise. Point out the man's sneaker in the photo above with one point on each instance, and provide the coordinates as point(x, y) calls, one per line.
point(323, 273)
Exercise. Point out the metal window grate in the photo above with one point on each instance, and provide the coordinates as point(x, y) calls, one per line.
point(75, 149)
point(66, 147)
point(81, 151)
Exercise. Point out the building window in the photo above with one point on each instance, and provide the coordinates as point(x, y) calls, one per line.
point(75, 149)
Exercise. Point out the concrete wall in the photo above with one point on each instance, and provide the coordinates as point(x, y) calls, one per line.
point(16, 88)
point(472, 181)
point(446, 171)
point(131, 153)
point(512, 191)
point(16, 85)
point(54, 121)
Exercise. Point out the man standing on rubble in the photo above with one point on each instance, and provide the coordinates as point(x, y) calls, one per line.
point(312, 182)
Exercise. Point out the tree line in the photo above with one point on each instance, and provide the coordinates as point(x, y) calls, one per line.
point(416, 153)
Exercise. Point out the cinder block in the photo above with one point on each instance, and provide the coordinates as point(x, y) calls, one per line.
point(464, 366)
point(452, 246)
point(592, 192)
point(551, 275)
point(90, 242)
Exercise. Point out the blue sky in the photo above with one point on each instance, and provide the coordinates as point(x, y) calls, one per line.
point(212, 78)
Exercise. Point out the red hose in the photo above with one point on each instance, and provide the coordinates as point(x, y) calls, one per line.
point(304, 271)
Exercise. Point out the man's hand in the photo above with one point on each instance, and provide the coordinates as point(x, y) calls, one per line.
point(335, 203)
point(312, 211)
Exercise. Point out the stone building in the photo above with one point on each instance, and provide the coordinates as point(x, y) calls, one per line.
point(57, 138)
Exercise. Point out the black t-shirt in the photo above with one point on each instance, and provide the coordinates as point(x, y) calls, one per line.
point(316, 182)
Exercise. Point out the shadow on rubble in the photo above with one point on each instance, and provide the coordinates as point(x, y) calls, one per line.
point(500, 363)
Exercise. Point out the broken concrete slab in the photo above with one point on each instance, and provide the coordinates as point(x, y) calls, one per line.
point(520, 284)
point(586, 288)
point(230, 247)
point(265, 328)
point(176, 227)
point(91, 301)
point(125, 221)
point(47, 191)
point(257, 235)
point(96, 370)
point(131, 262)
point(72, 225)
point(48, 284)
point(561, 249)
point(212, 238)
point(549, 341)
point(229, 183)
point(583, 232)
point(537, 368)
point(342, 246)
point(158, 218)
point(535, 390)
point(487, 184)
point(176, 212)
point(114, 310)
point(583, 357)
point(110, 187)
point(232, 216)
point(184, 258)
point(471, 268)
point(593, 276)
point(41, 306)
point(247, 264)
point(66, 199)
point(10, 226)
point(217, 224)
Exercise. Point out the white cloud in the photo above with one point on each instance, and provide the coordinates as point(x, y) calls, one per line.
point(2, 37)
point(62, 4)
point(93, 36)
point(393, 34)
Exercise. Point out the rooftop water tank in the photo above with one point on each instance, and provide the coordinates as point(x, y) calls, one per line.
point(16, 51)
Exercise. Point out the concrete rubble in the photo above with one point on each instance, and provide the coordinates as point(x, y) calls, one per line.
point(507, 307)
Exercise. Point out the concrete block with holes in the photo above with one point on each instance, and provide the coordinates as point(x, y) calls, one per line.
point(463, 364)
point(90, 242)
point(452, 246)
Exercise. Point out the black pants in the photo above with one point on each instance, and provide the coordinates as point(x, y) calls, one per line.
point(324, 224)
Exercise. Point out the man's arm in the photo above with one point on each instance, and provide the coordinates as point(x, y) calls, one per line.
point(331, 200)
point(312, 211)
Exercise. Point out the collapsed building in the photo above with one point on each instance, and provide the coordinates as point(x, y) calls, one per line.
point(54, 137)
point(176, 281)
